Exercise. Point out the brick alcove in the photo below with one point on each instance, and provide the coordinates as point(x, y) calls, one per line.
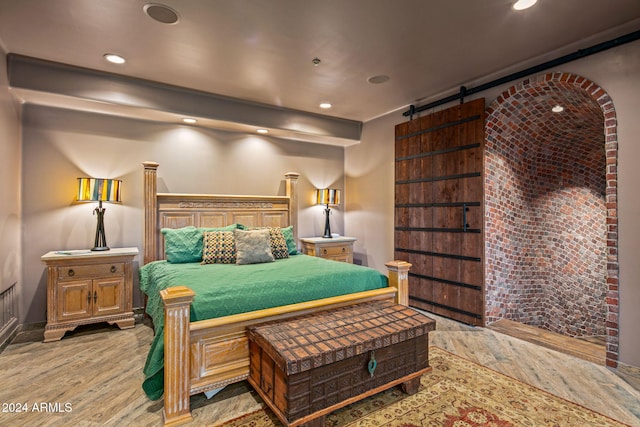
point(551, 208)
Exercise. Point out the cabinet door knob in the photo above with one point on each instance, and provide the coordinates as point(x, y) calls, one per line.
point(324, 251)
point(71, 272)
point(95, 296)
point(113, 269)
point(344, 249)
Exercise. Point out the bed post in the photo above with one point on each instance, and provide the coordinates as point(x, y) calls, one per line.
point(399, 279)
point(150, 211)
point(177, 301)
point(291, 190)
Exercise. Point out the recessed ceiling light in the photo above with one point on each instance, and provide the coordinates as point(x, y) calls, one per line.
point(161, 13)
point(558, 109)
point(376, 80)
point(325, 105)
point(262, 131)
point(189, 120)
point(115, 59)
point(524, 4)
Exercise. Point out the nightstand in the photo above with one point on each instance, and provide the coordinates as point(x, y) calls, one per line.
point(335, 248)
point(88, 287)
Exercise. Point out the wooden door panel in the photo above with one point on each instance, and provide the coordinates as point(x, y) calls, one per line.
point(110, 298)
point(439, 210)
point(420, 265)
point(413, 217)
point(414, 240)
point(458, 246)
point(422, 289)
point(401, 194)
point(471, 273)
point(73, 300)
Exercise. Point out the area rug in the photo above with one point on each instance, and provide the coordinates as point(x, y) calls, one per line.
point(456, 393)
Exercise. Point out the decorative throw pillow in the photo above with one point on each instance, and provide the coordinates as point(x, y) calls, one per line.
point(219, 247)
point(279, 247)
point(185, 244)
point(287, 232)
point(182, 244)
point(253, 246)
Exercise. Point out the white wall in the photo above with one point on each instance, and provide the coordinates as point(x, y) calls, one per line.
point(369, 169)
point(61, 145)
point(9, 185)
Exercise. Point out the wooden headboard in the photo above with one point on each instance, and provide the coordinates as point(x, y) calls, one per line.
point(173, 210)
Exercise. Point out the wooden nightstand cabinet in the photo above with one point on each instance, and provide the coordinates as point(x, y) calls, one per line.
point(88, 287)
point(335, 248)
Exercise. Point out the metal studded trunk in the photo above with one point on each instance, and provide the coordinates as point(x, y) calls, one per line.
point(310, 365)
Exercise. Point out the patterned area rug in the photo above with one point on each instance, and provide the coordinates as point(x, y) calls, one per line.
point(456, 393)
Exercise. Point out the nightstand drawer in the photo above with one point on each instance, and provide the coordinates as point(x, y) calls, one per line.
point(334, 250)
point(80, 271)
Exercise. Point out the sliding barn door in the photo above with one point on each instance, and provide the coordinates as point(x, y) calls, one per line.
point(439, 210)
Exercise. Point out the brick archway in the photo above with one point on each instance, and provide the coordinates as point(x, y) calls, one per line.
point(558, 170)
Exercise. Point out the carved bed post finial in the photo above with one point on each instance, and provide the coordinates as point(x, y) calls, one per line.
point(150, 211)
point(399, 279)
point(292, 192)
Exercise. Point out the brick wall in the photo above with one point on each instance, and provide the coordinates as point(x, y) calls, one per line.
point(550, 205)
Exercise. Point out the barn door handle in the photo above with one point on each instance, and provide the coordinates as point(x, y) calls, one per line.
point(465, 209)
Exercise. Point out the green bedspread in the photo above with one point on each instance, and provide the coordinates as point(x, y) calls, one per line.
point(226, 289)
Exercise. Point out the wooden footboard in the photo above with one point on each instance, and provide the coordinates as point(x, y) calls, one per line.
point(208, 354)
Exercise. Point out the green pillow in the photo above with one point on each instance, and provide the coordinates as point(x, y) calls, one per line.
point(184, 244)
point(287, 232)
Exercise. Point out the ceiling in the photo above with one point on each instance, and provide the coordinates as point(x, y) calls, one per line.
point(262, 50)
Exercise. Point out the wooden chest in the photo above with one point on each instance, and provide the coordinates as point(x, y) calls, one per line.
point(306, 367)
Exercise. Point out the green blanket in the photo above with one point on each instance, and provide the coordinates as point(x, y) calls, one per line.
point(226, 289)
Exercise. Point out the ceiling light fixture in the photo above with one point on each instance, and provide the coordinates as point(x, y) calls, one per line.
point(189, 120)
point(524, 4)
point(558, 109)
point(325, 105)
point(161, 13)
point(114, 59)
point(262, 131)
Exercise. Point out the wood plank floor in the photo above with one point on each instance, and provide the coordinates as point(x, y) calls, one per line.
point(98, 372)
point(593, 351)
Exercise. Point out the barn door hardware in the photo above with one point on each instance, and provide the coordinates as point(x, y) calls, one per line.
point(465, 209)
point(579, 54)
point(463, 92)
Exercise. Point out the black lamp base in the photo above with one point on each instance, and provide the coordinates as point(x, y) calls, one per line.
point(327, 226)
point(100, 243)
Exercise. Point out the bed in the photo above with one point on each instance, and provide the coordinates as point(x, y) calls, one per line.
point(201, 343)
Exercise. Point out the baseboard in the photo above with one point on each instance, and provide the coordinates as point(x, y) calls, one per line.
point(138, 314)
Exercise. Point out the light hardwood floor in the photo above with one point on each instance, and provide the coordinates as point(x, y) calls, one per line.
point(98, 372)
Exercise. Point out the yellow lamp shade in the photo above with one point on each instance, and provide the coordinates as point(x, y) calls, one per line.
point(327, 196)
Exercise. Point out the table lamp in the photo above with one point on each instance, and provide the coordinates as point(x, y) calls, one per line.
point(327, 196)
point(99, 190)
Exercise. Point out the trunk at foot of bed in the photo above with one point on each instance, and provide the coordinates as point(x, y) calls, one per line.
point(177, 302)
